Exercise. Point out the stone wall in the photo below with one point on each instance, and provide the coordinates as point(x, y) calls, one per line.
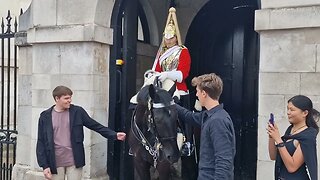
point(63, 43)
point(289, 65)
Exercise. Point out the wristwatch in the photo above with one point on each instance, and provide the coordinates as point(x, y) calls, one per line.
point(279, 145)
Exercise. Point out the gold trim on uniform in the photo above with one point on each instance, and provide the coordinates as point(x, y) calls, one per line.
point(172, 61)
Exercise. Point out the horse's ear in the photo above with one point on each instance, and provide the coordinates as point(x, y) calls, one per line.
point(152, 91)
point(157, 82)
point(143, 95)
point(172, 89)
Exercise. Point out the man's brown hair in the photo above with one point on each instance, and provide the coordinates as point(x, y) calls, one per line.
point(61, 91)
point(210, 83)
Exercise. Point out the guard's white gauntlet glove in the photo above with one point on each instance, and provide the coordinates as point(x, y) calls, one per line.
point(173, 75)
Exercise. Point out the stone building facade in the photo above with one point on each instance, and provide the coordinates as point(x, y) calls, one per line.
point(69, 42)
point(289, 63)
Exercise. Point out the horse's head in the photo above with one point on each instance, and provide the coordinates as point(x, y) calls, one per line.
point(162, 120)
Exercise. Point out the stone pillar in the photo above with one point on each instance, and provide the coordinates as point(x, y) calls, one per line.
point(289, 52)
point(63, 43)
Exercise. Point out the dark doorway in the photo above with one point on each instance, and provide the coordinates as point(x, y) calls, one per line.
point(221, 39)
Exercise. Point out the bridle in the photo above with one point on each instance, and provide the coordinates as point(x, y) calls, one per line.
point(153, 150)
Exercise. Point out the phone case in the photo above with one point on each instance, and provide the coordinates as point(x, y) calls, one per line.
point(271, 120)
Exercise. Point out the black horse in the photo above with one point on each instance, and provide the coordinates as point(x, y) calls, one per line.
point(153, 135)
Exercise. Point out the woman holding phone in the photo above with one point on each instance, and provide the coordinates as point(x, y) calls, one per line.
point(295, 153)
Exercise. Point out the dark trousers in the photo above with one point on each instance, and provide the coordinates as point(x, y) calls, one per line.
point(189, 167)
point(187, 128)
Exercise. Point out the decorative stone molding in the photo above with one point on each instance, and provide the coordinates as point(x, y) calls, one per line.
point(70, 33)
point(20, 39)
point(287, 18)
point(270, 4)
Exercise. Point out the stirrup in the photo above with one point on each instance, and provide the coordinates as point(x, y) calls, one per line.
point(187, 149)
point(130, 152)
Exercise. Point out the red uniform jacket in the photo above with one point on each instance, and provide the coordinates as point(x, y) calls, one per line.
point(183, 66)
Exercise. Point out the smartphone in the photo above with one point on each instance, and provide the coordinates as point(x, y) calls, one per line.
point(271, 120)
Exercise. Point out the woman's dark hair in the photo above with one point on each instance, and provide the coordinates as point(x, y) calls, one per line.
point(316, 116)
point(304, 103)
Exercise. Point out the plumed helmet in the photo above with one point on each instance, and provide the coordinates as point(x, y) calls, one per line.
point(172, 28)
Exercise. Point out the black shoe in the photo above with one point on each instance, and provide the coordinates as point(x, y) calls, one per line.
point(187, 149)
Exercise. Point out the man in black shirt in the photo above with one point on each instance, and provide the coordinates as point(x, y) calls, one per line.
point(217, 144)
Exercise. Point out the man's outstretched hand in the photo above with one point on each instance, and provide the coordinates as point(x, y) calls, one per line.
point(47, 174)
point(121, 136)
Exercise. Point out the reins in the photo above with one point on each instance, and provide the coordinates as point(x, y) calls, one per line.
point(154, 150)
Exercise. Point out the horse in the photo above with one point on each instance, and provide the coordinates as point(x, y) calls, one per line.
point(153, 135)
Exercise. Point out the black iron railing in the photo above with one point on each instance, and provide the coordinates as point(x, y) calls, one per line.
point(8, 99)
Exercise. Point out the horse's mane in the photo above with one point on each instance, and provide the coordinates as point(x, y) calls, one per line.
point(160, 96)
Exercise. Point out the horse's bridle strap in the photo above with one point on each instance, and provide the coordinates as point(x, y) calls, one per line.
point(161, 105)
